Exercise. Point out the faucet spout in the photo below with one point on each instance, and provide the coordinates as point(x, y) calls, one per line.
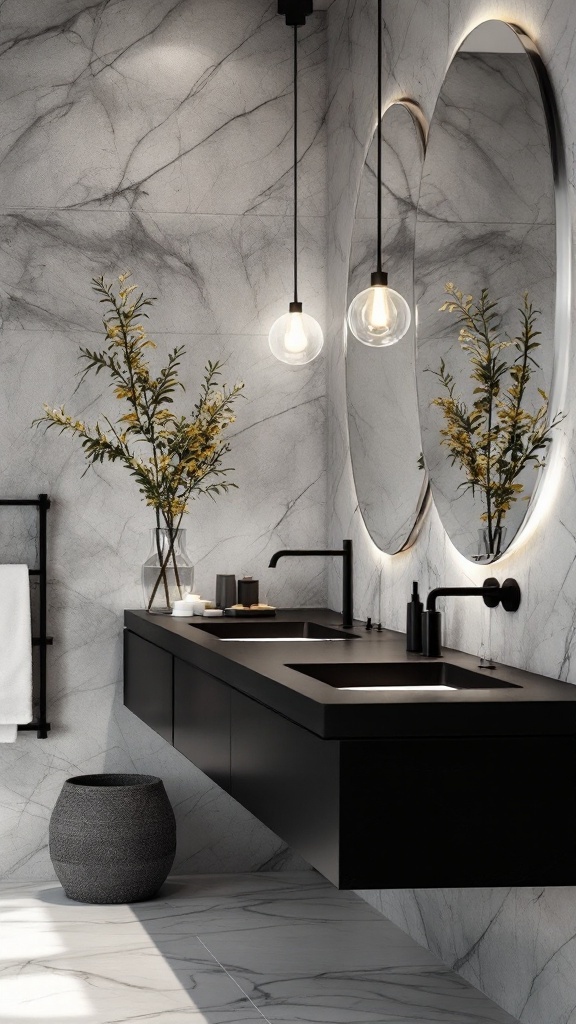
point(508, 595)
point(490, 591)
point(347, 575)
point(276, 557)
point(298, 551)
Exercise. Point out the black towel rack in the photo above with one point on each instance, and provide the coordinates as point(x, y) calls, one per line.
point(40, 725)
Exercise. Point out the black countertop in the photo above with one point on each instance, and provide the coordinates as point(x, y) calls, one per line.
point(530, 705)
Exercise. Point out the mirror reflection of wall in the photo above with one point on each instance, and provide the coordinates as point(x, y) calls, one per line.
point(381, 385)
point(486, 220)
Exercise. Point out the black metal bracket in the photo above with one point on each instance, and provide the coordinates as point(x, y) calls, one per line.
point(295, 11)
point(41, 726)
point(509, 595)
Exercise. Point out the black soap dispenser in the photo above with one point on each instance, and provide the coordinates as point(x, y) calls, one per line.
point(414, 622)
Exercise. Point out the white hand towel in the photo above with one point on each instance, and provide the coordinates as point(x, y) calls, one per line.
point(15, 651)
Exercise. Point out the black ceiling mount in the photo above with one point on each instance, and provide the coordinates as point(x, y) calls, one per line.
point(295, 11)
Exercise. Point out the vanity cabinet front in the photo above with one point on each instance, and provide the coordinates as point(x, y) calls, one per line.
point(202, 721)
point(289, 779)
point(458, 807)
point(148, 683)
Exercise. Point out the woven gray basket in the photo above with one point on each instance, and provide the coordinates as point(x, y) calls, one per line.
point(112, 837)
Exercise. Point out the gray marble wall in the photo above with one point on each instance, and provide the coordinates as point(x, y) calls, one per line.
point(117, 124)
point(155, 137)
point(517, 945)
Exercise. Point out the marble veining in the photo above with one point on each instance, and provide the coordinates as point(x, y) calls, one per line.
point(154, 137)
point(163, 93)
point(517, 945)
point(224, 949)
point(212, 274)
point(115, 133)
point(488, 157)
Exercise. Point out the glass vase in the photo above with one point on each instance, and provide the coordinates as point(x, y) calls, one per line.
point(487, 551)
point(168, 572)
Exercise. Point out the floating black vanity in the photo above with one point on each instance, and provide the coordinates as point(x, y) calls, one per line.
point(465, 778)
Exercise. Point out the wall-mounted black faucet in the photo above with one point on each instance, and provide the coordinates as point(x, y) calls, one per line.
point(508, 595)
point(346, 555)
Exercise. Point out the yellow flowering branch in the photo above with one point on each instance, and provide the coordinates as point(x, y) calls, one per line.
point(495, 437)
point(173, 458)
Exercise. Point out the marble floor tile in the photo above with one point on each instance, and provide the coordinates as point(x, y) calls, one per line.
point(228, 949)
point(65, 961)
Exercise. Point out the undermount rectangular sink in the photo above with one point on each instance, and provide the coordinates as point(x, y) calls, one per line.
point(272, 631)
point(418, 675)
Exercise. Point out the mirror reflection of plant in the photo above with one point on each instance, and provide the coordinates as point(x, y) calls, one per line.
point(173, 458)
point(494, 438)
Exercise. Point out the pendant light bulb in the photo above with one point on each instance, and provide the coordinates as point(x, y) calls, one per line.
point(379, 316)
point(381, 313)
point(295, 338)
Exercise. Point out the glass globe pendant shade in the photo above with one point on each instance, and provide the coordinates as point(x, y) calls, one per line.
point(379, 316)
point(296, 338)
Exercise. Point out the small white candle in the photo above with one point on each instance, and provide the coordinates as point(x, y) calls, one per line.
point(181, 608)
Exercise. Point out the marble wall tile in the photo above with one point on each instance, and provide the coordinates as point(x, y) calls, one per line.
point(99, 538)
point(211, 274)
point(155, 137)
point(181, 107)
point(259, 517)
point(517, 944)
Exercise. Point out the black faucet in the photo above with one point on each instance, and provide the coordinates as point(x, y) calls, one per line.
point(346, 554)
point(508, 595)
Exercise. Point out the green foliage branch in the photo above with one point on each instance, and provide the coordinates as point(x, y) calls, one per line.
point(494, 438)
point(173, 458)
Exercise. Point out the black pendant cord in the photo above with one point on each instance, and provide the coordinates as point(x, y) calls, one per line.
point(296, 162)
point(379, 100)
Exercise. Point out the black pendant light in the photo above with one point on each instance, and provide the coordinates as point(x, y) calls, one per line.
point(295, 337)
point(379, 316)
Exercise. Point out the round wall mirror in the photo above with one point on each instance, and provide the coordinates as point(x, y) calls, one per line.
point(382, 402)
point(486, 289)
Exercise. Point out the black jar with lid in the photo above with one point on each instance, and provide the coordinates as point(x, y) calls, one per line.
point(247, 591)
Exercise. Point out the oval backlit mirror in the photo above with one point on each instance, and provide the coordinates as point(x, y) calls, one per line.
point(489, 305)
point(382, 403)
